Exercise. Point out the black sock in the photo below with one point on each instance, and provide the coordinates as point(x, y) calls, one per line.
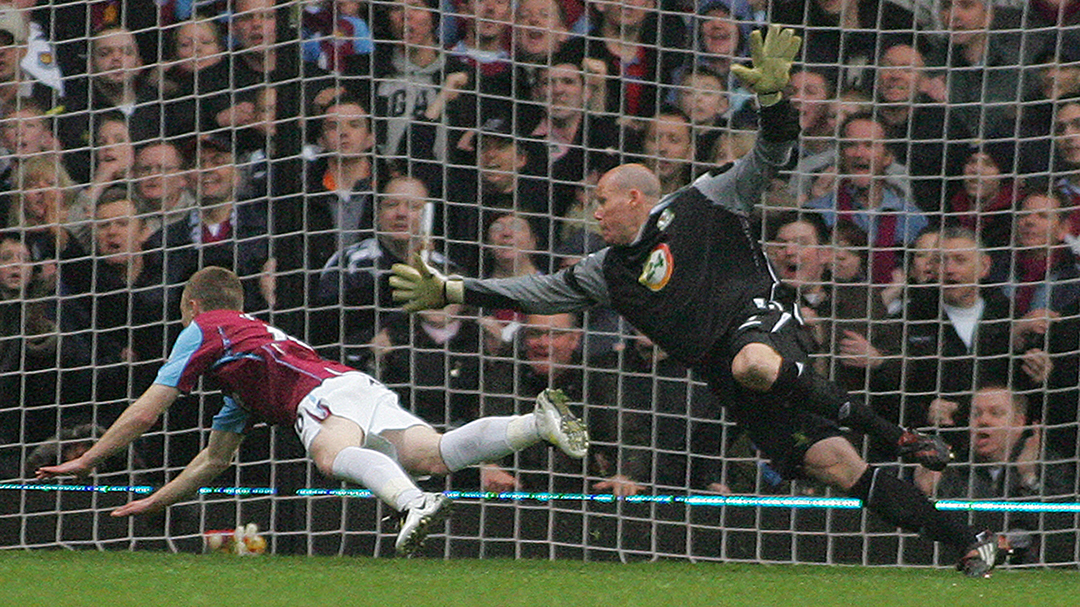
point(802, 387)
point(902, 504)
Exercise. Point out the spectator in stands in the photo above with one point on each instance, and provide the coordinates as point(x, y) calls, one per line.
point(196, 45)
point(550, 357)
point(1066, 168)
point(18, 83)
point(124, 308)
point(162, 192)
point(849, 253)
point(990, 62)
point(987, 196)
point(722, 35)
point(510, 250)
point(356, 278)
point(28, 337)
point(955, 334)
point(114, 157)
point(913, 124)
point(44, 206)
point(410, 69)
point(24, 133)
point(844, 320)
point(542, 38)
point(668, 146)
point(871, 194)
point(224, 229)
point(340, 206)
point(678, 418)
point(1006, 453)
point(1041, 273)
point(485, 50)
point(812, 94)
point(334, 32)
point(847, 35)
point(114, 84)
point(1009, 460)
point(701, 95)
point(923, 269)
point(579, 143)
point(433, 364)
point(624, 38)
point(502, 181)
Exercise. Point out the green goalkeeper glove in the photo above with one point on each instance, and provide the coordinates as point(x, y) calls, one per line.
point(771, 62)
point(422, 287)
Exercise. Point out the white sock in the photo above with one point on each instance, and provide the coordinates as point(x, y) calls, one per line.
point(487, 439)
point(379, 473)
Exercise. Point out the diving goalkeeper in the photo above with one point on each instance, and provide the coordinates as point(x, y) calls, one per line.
point(687, 271)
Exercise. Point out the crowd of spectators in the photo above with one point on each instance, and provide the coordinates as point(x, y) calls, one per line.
point(929, 221)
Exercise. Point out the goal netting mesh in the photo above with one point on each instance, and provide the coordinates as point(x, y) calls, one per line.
point(308, 145)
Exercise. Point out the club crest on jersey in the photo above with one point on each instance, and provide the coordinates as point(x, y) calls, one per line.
point(665, 219)
point(658, 268)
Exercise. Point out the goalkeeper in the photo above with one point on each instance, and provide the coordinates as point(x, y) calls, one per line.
point(687, 271)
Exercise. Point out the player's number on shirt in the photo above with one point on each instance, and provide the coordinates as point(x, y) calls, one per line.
point(280, 335)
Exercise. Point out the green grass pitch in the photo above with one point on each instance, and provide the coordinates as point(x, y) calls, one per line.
point(120, 579)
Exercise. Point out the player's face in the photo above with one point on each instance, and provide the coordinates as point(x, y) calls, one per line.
point(116, 58)
point(898, 76)
point(1067, 131)
point(15, 271)
point(159, 174)
point(347, 131)
point(962, 267)
point(538, 28)
point(1039, 224)
point(197, 46)
point(797, 255)
point(187, 312)
point(995, 425)
point(863, 153)
point(119, 231)
point(401, 210)
point(668, 146)
point(255, 26)
point(550, 343)
point(619, 224)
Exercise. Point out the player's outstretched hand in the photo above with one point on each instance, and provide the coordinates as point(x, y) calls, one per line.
point(421, 287)
point(143, 506)
point(771, 60)
point(74, 467)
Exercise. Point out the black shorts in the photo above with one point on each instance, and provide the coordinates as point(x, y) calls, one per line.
point(782, 432)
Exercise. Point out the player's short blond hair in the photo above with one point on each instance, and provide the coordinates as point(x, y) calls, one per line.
point(216, 289)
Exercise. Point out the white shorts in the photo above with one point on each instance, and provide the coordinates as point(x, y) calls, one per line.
point(357, 397)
